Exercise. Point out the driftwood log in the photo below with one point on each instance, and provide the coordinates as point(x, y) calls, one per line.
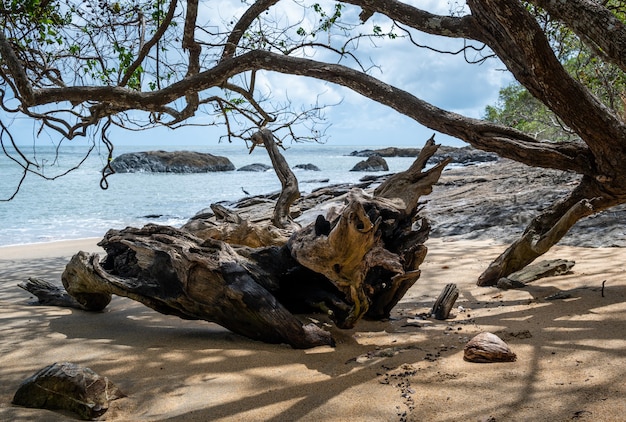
point(446, 300)
point(356, 261)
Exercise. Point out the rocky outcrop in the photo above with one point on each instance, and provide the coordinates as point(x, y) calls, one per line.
point(388, 152)
point(498, 200)
point(170, 162)
point(465, 155)
point(373, 163)
point(257, 167)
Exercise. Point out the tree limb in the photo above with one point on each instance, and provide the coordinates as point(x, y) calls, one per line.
point(592, 21)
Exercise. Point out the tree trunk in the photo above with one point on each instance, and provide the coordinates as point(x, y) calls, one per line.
point(290, 191)
point(176, 273)
point(545, 230)
point(357, 262)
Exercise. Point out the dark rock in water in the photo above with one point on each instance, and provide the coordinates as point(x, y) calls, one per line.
point(373, 163)
point(67, 386)
point(170, 162)
point(316, 181)
point(465, 155)
point(258, 167)
point(387, 152)
point(311, 167)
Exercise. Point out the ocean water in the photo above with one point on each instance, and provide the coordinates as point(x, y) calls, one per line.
point(74, 206)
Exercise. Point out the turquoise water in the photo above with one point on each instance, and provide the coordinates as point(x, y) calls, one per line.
point(74, 206)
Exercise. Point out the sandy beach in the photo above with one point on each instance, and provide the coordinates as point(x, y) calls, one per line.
point(571, 352)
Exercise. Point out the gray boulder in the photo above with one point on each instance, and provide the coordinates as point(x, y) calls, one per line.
point(373, 163)
point(170, 162)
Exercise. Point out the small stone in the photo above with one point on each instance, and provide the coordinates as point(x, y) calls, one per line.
point(67, 386)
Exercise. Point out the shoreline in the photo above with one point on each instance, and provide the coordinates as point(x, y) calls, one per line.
point(55, 248)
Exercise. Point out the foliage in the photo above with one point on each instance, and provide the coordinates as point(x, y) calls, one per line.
point(518, 109)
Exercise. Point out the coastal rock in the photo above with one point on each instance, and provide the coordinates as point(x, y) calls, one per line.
point(387, 152)
point(498, 200)
point(464, 155)
point(255, 167)
point(373, 163)
point(67, 386)
point(309, 166)
point(487, 348)
point(170, 162)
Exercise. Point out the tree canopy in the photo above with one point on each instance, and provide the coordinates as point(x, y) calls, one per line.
point(80, 67)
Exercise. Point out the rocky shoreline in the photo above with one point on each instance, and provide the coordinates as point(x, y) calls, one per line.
point(478, 197)
point(494, 200)
point(497, 201)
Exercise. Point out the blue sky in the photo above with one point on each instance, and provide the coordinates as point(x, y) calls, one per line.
point(446, 81)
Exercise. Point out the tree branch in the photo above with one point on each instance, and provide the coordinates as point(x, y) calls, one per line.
point(447, 26)
point(243, 23)
point(25, 89)
point(147, 46)
point(502, 140)
point(520, 43)
point(591, 21)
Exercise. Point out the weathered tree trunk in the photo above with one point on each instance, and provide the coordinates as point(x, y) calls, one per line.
point(545, 230)
point(444, 303)
point(290, 191)
point(176, 273)
point(355, 262)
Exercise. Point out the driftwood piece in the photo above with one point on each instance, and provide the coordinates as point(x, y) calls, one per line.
point(178, 274)
point(49, 294)
point(410, 185)
point(444, 303)
point(231, 228)
point(547, 268)
point(67, 386)
point(371, 251)
point(357, 261)
point(352, 247)
point(487, 348)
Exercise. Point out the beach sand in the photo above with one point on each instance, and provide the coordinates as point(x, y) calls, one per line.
point(571, 352)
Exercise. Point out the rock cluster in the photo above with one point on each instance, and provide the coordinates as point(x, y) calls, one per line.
point(465, 155)
point(499, 199)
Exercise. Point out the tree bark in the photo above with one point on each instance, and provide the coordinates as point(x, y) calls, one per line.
point(290, 191)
